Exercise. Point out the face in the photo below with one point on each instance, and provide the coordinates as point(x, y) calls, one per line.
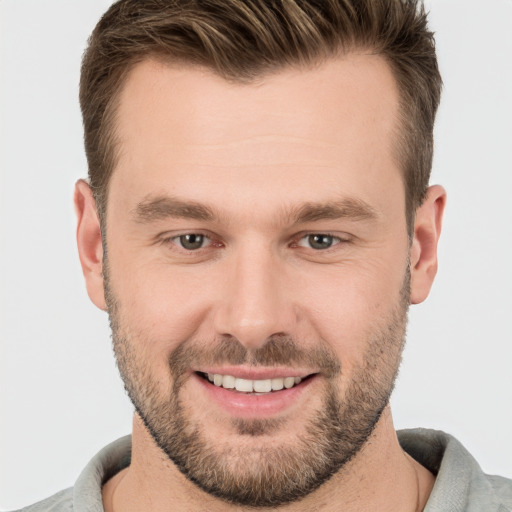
point(257, 272)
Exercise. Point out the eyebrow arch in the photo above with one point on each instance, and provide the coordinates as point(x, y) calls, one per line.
point(163, 207)
point(348, 208)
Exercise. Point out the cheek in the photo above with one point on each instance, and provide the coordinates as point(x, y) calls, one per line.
point(350, 307)
point(160, 304)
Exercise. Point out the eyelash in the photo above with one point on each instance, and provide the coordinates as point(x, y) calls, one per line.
point(336, 240)
point(175, 240)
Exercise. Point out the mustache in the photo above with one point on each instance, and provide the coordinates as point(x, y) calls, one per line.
point(278, 350)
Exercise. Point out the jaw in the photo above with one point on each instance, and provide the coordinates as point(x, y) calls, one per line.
point(254, 454)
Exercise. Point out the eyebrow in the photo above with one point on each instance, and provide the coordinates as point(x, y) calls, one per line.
point(347, 208)
point(163, 207)
point(160, 208)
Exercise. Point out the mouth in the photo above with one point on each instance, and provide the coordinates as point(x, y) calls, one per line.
point(252, 386)
point(245, 392)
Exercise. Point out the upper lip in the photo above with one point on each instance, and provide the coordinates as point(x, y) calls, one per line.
point(255, 373)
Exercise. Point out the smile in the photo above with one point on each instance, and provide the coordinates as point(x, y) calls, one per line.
point(252, 386)
point(249, 393)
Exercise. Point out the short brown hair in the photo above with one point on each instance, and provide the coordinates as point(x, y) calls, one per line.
point(243, 39)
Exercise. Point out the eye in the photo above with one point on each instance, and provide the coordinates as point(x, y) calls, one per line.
point(191, 241)
point(319, 241)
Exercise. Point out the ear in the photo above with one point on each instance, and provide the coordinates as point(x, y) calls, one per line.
point(90, 248)
point(423, 252)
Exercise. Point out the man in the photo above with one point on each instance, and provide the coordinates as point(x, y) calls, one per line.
point(256, 223)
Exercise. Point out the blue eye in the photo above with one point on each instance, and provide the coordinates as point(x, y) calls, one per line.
point(319, 241)
point(191, 241)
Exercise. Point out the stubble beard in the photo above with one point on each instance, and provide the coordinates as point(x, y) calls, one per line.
point(265, 475)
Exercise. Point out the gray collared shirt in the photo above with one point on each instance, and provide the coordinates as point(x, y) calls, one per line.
point(461, 485)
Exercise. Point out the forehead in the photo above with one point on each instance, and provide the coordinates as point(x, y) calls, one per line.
point(181, 129)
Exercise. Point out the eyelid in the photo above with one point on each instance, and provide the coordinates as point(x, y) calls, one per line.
point(340, 239)
point(205, 239)
point(334, 237)
point(170, 239)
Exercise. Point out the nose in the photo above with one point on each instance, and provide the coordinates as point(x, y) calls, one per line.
point(256, 301)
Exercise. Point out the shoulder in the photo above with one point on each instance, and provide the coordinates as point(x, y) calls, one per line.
point(86, 493)
point(60, 502)
point(503, 489)
point(461, 485)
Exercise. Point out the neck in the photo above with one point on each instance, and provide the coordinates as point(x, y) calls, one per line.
point(381, 477)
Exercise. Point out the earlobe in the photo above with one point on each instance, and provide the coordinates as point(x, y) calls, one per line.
point(90, 248)
point(423, 252)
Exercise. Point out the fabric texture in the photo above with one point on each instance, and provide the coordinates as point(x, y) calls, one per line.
point(461, 485)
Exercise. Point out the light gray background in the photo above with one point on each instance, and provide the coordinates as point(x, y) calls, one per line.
point(61, 397)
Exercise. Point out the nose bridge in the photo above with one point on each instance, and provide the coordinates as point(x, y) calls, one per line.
point(254, 305)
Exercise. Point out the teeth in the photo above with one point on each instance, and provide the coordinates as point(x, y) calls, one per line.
point(228, 382)
point(262, 386)
point(249, 386)
point(289, 382)
point(244, 385)
point(277, 384)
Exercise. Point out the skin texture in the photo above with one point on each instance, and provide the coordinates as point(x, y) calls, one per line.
point(256, 169)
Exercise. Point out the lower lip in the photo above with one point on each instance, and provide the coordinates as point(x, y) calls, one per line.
point(246, 405)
